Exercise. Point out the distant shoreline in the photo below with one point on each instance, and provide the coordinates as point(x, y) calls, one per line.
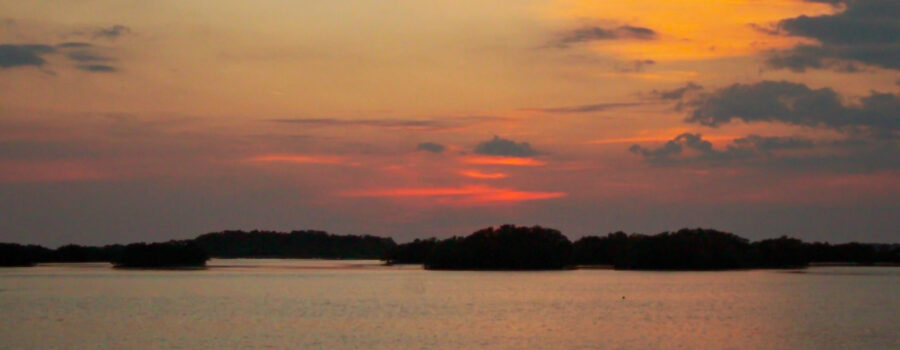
point(507, 247)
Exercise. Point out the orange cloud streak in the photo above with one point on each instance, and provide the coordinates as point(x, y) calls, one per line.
point(475, 174)
point(468, 194)
point(511, 161)
point(298, 158)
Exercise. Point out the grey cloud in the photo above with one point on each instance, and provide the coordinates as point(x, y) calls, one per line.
point(431, 147)
point(750, 147)
point(866, 32)
point(97, 68)
point(595, 33)
point(383, 123)
point(426, 124)
point(584, 108)
point(678, 93)
point(74, 45)
point(674, 147)
point(766, 144)
point(111, 32)
point(797, 104)
point(12, 55)
point(84, 54)
point(502, 147)
point(633, 66)
point(846, 155)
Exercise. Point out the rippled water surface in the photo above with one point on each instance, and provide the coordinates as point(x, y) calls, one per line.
point(312, 304)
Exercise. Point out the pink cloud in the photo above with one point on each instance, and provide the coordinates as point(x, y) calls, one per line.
point(473, 194)
point(299, 158)
point(510, 161)
point(475, 174)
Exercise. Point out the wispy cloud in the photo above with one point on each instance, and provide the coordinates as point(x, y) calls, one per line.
point(300, 158)
point(431, 147)
point(393, 123)
point(111, 33)
point(584, 108)
point(597, 33)
point(459, 195)
point(475, 174)
point(509, 161)
point(499, 146)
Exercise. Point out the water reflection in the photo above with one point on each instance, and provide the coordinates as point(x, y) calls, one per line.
point(362, 304)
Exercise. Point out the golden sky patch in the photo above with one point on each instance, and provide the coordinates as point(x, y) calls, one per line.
point(690, 29)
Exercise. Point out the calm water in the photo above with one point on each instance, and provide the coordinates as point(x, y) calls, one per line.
point(311, 304)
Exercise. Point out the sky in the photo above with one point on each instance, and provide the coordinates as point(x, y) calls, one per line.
point(129, 120)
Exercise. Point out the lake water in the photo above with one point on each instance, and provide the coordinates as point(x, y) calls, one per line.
point(314, 304)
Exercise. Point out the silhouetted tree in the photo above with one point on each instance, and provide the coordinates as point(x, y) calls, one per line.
point(413, 252)
point(12, 254)
point(296, 244)
point(687, 249)
point(593, 250)
point(505, 248)
point(780, 252)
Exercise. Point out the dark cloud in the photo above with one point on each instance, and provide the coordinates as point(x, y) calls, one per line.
point(111, 32)
point(12, 55)
point(87, 56)
point(865, 32)
point(74, 45)
point(677, 94)
point(797, 104)
point(33, 55)
point(870, 126)
point(97, 68)
point(502, 147)
point(673, 148)
point(431, 147)
point(381, 123)
point(595, 33)
point(400, 123)
point(845, 155)
point(584, 108)
point(633, 66)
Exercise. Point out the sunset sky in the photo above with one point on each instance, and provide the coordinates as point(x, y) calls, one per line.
point(126, 120)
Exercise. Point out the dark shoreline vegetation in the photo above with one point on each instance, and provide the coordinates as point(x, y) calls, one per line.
point(533, 248)
point(506, 247)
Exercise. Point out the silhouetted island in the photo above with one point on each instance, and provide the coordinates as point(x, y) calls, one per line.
point(296, 244)
point(162, 255)
point(14, 255)
point(505, 248)
point(686, 249)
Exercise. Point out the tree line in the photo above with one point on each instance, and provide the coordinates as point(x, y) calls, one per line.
point(511, 247)
point(506, 247)
point(195, 252)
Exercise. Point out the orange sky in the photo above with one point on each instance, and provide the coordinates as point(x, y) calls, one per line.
point(358, 116)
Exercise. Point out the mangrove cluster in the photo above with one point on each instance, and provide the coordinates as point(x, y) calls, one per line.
point(686, 249)
point(296, 244)
point(506, 247)
point(195, 252)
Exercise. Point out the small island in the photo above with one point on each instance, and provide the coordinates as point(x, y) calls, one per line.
point(505, 248)
point(537, 248)
point(172, 254)
point(16, 255)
